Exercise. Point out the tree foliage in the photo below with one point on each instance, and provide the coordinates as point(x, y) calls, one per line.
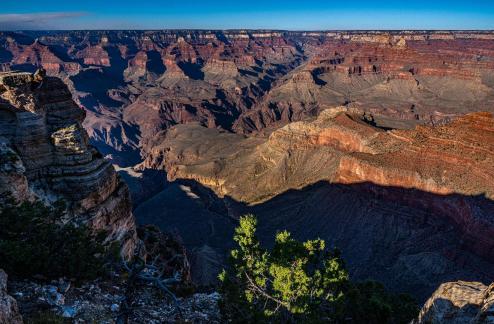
point(300, 282)
point(34, 242)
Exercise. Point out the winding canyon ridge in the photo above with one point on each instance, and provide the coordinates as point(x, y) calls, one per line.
point(381, 143)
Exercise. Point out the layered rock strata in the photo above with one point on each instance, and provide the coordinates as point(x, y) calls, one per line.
point(46, 155)
point(427, 158)
point(422, 199)
point(252, 81)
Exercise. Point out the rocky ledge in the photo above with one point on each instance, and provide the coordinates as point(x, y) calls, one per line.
point(45, 155)
point(100, 302)
point(459, 302)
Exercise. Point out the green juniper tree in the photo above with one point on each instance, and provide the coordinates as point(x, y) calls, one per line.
point(295, 281)
point(300, 282)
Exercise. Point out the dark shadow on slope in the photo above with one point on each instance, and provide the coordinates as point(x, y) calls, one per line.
point(61, 52)
point(5, 56)
point(266, 83)
point(404, 238)
point(20, 38)
point(221, 37)
point(244, 72)
point(192, 70)
point(117, 65)
point(97, 82)
point(199, 218)
point(318, 80)
point(225, 113)
point(110, 144)
point(26, 67)
point(155, 63)
point(397, 236)
point(143, 185)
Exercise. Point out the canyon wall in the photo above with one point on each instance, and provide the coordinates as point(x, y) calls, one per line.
point(46, 155)
point(233, 116)
point(342, 179)
point(134, 84)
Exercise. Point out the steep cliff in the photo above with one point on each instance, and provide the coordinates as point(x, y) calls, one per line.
point(45, 154)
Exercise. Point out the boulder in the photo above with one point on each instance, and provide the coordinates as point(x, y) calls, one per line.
point(9, 312)
point(459, 302)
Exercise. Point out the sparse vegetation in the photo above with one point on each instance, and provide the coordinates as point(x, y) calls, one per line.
point(34, 242)
point(46, 317)
point(300, 282)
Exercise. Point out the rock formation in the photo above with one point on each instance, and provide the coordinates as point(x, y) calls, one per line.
point(309, 172)
point(9, 312)
point(47, 156)
point(363, 153)
point(459, 302)
point(250, 81)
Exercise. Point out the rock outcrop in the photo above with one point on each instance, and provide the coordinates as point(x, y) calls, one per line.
point(429, 159)
point(47, 156)
point(459, 302)
point(9, 311)
point(390, 187)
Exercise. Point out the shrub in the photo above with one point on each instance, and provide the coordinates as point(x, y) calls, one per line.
point(33, 242)
point(369, 302)
point(46, 317)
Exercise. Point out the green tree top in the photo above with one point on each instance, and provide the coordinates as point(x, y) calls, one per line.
point(301, 282)
point(295, 279)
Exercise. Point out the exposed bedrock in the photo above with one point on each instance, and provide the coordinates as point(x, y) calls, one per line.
point(47, 156)
point(9, 311)
point(386, 188)
point(459, 302)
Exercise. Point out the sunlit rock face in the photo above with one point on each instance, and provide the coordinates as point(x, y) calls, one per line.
point(459, 302)
point(427, 158)
point(47, 156)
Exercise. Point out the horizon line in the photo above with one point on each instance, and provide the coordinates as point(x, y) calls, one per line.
point(253, 29)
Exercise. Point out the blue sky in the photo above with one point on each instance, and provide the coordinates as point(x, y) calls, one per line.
point(222, 14)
